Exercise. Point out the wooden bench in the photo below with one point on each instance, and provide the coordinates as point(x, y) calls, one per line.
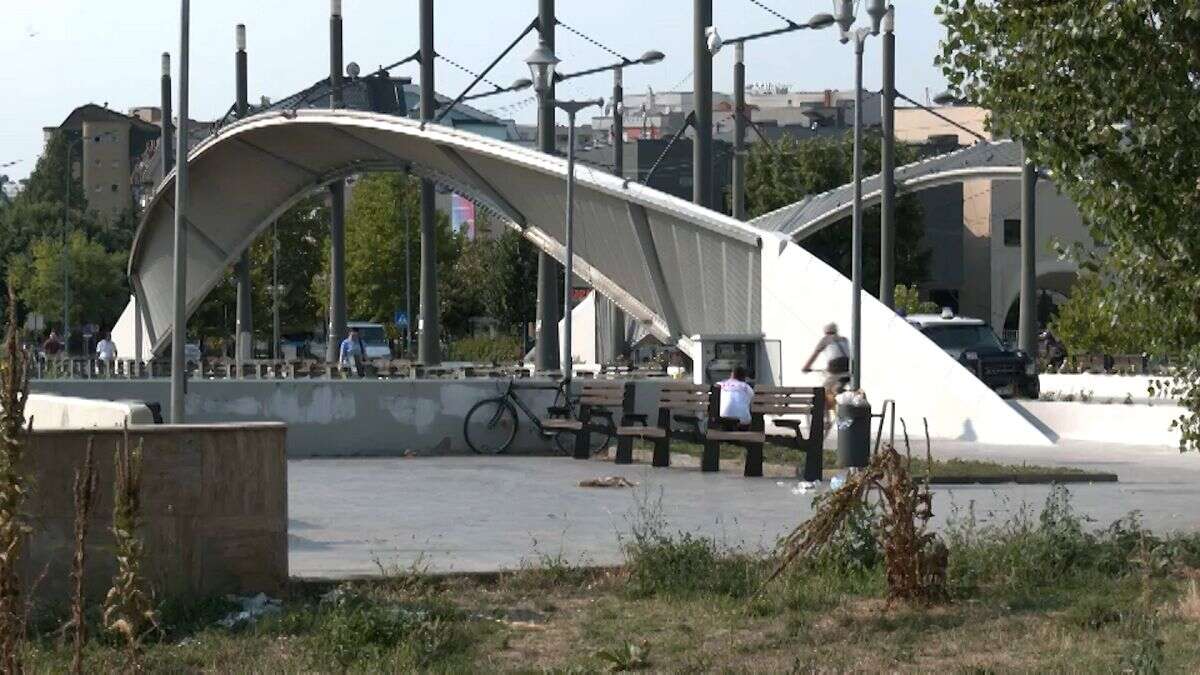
point(597, 399)
point(681, 402)
point(790, 408)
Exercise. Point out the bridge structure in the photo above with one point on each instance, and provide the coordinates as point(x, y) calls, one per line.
point(689, 275)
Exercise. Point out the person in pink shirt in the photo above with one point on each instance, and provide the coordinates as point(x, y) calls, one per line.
point(735, 399)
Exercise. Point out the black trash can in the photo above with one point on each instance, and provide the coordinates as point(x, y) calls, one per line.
point(854, 435)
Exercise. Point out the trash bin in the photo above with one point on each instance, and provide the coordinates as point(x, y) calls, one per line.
point(854, 435)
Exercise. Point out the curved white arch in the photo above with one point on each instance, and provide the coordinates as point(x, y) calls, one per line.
point(682, 269)
point(1000, 160)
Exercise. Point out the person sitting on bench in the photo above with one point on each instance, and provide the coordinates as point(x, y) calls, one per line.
point(735, 401)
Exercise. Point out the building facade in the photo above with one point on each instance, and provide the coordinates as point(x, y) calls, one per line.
point(109, 146)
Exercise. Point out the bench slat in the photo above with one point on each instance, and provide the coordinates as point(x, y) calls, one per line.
point(745, 436)
point(791, 391)
point(569, 425)
point(601, 400)
point(774, 409)
point(697, 406)
point(642, 432)
point(683, 397)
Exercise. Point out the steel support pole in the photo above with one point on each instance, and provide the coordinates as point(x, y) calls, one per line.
point(1027, 333)
point(66, 254)
point(616, 317)
point(428, 349)
point(409, 345)
point(702, 169)
point(275, 327)
point(167, 154)
point(337, 201)
point(739, 131)
point(545, 354)
point(857, 236)
point(245, 316)
point(569, 252)
point(887, 222)
point(179, 325)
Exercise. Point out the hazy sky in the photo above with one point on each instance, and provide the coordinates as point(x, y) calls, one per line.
point(58, 54)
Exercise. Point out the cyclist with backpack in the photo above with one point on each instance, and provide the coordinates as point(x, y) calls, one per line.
point(836, 350)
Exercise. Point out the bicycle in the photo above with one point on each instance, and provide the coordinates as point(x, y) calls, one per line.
point(491, 424)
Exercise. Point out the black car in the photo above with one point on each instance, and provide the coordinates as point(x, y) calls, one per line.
point(1011, 372)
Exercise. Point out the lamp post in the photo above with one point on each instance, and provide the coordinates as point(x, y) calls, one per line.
point(244, 321)
point(887, 160)
point(845, 19)
point(337, 201)
point(715, 42)
point(66, 252)
point(542, 64)
point(179, 327)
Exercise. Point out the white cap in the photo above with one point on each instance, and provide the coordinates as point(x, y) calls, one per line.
point(335, 7)
point(166, 63)
point(241, 37)
point(889, 20)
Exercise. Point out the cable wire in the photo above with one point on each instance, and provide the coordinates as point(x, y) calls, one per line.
point(466, 70)
point(773, 13)
point(593, 41)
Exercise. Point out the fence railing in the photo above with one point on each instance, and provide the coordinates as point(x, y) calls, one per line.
point(230, 369)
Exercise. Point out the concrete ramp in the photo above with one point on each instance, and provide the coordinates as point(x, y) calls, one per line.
point(800, 294)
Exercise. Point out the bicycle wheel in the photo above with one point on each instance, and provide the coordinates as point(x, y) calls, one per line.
point(490, 426)
point(598, 440)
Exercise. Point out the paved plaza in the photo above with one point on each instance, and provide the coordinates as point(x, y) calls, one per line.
point(349, 517)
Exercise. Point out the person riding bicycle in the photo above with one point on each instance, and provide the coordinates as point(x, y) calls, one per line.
point(836, 350)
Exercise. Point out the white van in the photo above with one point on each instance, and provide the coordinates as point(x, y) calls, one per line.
point(374, 339)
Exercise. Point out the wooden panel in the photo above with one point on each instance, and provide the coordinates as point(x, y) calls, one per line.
point(684, 386)
point(774, 409)
point(699, 406)
point(677, 396)
point(743, 436)
point(602, 400)
point(789, 391)
point(569, 425)
point(642, 432)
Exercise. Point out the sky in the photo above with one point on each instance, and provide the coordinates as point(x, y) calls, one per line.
point(58, 54)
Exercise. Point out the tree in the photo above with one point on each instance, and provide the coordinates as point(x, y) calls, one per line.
point(511, 293)
point(791, 170)
point(384, 211)
point(98, 289)
point(1103, 95)
point(908, 301)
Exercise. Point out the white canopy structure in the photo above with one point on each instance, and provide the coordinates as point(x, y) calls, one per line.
point(690, 275)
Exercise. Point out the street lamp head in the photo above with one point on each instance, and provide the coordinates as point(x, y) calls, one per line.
point(521, 83)
point(876, 9)
point(241, 37)
point(946, 98)
point(652, 57)
point(822, 20)
point(845, 18)
point(542, 63)
point(889, 20)
point(352, 69)
point(714, 40)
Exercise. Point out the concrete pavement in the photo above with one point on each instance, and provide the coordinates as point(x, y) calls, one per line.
point(349, 517)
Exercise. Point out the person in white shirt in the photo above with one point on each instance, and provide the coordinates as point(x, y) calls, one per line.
point(735, 398)
point(106, 352)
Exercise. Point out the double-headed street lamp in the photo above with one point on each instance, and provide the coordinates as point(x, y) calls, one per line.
point(542, 64)
point(715, 43)
point(877, 10)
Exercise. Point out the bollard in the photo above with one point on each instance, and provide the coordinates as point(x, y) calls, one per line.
point(854, 435)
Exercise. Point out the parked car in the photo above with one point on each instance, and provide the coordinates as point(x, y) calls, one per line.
point(1011, 372)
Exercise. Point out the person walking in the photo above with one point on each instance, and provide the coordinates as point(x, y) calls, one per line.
point(53, 345)
point(352, 353)
point(735, 400)
point(106, 352)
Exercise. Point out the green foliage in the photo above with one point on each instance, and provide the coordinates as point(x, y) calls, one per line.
point(791, 170)
point(97, 280)
point(1103, 95)
point(1100, 318)
point(384, 214)
point(502, 349)
point(908, 301)
point(626, 656)
point(511, 292)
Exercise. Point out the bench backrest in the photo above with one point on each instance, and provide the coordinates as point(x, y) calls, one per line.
point(603, 393)
point(769, 400)
point(685, 396)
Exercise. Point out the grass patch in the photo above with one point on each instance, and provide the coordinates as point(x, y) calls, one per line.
point(1041, 592)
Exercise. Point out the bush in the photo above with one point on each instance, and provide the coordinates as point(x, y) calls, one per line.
point(500, 349)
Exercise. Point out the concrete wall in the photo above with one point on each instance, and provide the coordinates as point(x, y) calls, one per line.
point(338, 417)
point(1112, 423)
point(214, 499)
point(47, 411)
point(106, 166)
